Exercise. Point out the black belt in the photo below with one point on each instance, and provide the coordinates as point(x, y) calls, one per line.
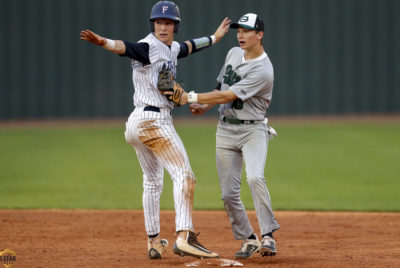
point(236, 121)
point(151, 108)
point(154, 109)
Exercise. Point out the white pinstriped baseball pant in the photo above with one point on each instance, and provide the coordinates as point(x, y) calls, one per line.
point(159, 146)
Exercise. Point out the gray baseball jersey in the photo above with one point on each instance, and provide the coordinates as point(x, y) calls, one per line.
point(251, 81)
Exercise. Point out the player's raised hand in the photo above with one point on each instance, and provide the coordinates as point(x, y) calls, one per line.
point(222, 29)
point(93, 38)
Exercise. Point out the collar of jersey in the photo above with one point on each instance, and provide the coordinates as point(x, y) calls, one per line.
point(161, 41)
point(262, 56)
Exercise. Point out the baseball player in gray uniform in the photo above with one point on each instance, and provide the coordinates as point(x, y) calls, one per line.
point(150, 128)
point(244, 91)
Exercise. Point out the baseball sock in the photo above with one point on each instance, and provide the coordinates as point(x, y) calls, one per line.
point(152, 236)
point(269, 234)
point(252, 237)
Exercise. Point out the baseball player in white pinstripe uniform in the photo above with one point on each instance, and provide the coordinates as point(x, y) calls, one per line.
point(150, 128)
point(244, 91)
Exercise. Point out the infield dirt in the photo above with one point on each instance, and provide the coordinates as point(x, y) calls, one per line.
point(116, 238)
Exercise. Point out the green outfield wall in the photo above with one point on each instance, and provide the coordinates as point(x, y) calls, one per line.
point(330, 56)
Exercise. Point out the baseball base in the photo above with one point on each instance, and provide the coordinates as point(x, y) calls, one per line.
point(214, 262)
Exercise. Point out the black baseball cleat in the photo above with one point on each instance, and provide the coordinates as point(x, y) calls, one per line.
point(268, 247)
point(249, 247)
point(190, 246)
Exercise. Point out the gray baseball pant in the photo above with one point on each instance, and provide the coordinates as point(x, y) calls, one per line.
point(235, 144)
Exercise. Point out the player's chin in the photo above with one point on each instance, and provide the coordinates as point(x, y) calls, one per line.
point(165, 39)
point(163, 36)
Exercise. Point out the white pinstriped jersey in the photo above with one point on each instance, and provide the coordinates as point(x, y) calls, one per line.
point(145, 77)
point(154, 137)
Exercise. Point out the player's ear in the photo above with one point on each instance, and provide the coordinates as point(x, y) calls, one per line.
point(260, 35)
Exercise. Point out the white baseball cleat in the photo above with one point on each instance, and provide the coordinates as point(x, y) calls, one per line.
point(156, 246)
point(188, 245)
point(268, 246)
point(249, 247)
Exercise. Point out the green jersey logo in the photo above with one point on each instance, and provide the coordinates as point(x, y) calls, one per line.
point(230, 77)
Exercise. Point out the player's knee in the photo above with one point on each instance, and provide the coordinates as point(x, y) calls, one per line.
point(251, 181)
point(153, 184)
point(190, 175)
point(230, 197)
point(153, 188)
point(190, 183)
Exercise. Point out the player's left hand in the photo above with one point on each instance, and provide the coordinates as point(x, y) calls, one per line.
point(169, 88)
point(222, 29)
point(93, 38)
point(198, 109)
point(178, 96)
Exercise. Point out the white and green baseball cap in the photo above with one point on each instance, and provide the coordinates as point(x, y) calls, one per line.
point(249, 21)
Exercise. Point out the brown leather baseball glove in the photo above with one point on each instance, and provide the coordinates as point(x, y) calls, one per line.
point(166, 83)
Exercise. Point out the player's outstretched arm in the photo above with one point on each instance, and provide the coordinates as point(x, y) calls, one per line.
point(116, 46)
point(198, 44)
point(214, 97)
point(200, 109)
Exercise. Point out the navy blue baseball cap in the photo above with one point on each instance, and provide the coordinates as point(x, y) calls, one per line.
point(165, 10)
point(249, 21)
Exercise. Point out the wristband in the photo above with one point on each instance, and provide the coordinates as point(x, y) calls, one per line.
point(192, 97)
point(110, 44)
point(213, 39)
point(202, 43)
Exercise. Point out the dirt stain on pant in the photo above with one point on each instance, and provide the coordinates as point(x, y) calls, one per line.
point(189, 185)
point(152, 136)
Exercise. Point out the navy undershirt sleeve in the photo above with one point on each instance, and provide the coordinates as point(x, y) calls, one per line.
point(137, 51)
point(184, 51)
